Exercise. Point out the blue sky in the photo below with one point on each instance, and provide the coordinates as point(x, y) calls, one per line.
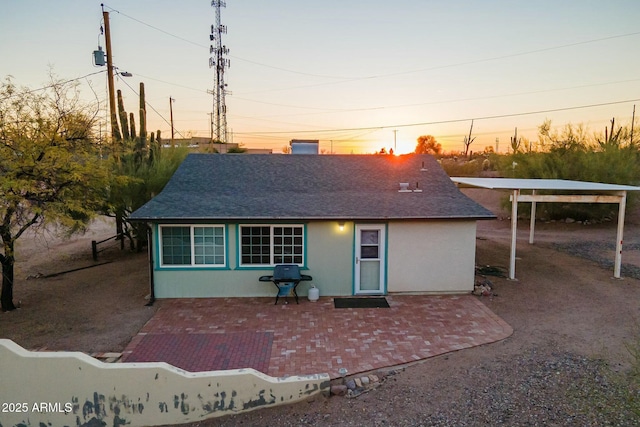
point(347, 72)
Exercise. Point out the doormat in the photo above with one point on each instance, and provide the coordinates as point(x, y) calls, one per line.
point(360, 303)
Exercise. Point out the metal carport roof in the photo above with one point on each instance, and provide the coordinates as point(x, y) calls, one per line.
point(585, 192)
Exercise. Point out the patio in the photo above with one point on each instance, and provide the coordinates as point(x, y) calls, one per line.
point(312, 337)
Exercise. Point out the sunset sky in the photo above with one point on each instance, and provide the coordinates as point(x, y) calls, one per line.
point(346, 72)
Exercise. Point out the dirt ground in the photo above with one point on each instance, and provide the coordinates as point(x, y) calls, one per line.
point(571, 320)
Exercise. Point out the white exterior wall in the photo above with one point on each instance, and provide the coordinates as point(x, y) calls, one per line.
point(433, 256)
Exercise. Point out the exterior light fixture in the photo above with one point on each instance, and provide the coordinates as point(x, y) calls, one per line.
point(341, 226)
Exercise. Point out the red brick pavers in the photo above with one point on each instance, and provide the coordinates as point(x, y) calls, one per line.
point(315, 337)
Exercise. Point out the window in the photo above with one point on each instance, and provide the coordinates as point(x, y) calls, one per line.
point(200, 246)
point(272, 244)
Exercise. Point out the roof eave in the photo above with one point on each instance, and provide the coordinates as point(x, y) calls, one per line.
point(311, 218)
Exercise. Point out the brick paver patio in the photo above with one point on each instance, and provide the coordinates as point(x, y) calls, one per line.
point(312, 337)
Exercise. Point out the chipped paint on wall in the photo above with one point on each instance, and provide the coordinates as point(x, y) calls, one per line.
point(135, 394)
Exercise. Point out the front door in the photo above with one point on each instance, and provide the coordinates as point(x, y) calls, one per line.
point(370, 259)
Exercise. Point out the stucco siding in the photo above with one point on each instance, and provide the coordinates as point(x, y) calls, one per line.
point(329, 257)
point(423, 256)
point(432, 256)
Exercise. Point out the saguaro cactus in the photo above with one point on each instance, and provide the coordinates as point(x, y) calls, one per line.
point(123, 117)
point(143, 116)
point(132, 122)
point(515, 142)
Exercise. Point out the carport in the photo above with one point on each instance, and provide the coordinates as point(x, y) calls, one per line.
point(581, 192)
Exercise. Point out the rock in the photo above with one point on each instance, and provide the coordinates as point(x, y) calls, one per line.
point(358, 382)
point(364, 381)
point(351, 384)
point(374, 378)
point(569, 220)
point(338, 390)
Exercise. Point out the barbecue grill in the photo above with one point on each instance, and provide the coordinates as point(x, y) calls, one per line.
point(286, 277)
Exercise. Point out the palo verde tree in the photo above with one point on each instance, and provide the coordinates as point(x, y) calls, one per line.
point(50, 170)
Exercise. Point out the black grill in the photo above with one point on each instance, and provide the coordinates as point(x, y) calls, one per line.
point(286, 277)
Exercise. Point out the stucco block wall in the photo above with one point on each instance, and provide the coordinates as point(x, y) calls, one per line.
point(432, 256)
point(68, 389)
point(329, 256)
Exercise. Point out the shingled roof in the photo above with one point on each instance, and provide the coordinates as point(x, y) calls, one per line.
point(308, 187)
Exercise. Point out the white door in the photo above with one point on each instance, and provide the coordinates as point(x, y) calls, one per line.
point(370, 259)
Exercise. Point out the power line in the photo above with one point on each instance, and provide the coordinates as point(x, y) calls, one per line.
point(330, 110)
point(501, 116)
point(52, 85)
point(458, 64)
point(347, 79)
point(154, 27)
point(147, 103)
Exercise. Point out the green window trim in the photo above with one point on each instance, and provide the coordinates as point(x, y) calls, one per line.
point(266, 245)
point(192, 246)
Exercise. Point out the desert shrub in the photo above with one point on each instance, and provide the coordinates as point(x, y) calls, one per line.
point(462, 168)
point(572, 155)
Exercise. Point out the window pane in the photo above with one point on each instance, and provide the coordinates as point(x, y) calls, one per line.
point(256, 242)
point(369, 237)
point(369, 251)
point(286, 244)
point(205, 246)
point(176, 245)
point(272, 245)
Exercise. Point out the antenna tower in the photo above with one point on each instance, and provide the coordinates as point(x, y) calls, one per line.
point(218, 60)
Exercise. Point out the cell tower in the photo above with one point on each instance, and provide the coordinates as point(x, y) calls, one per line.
point(218, 60)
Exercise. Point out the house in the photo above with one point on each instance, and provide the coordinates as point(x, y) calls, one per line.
point(358, 224)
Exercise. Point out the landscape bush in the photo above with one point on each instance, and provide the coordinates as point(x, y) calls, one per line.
point(573, 154)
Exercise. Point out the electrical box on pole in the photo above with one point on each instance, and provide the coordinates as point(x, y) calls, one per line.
point(99, 58)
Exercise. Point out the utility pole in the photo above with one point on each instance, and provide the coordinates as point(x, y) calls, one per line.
point(221, 63)
point(395, 146)
point(115, 131)
point(171, 113)
point(633, 119)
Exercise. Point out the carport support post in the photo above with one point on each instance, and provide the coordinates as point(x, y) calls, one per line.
point(532, 225)
point(622, 205)
point(514, 234)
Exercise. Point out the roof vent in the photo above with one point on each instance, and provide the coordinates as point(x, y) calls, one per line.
point(423, 169)
point(404, 188)
point(417, 189)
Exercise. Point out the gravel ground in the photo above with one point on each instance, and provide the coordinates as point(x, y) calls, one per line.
point(593, 251)
point(536, 388)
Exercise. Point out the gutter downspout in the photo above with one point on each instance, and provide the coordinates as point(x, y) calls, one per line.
point(152, 287)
